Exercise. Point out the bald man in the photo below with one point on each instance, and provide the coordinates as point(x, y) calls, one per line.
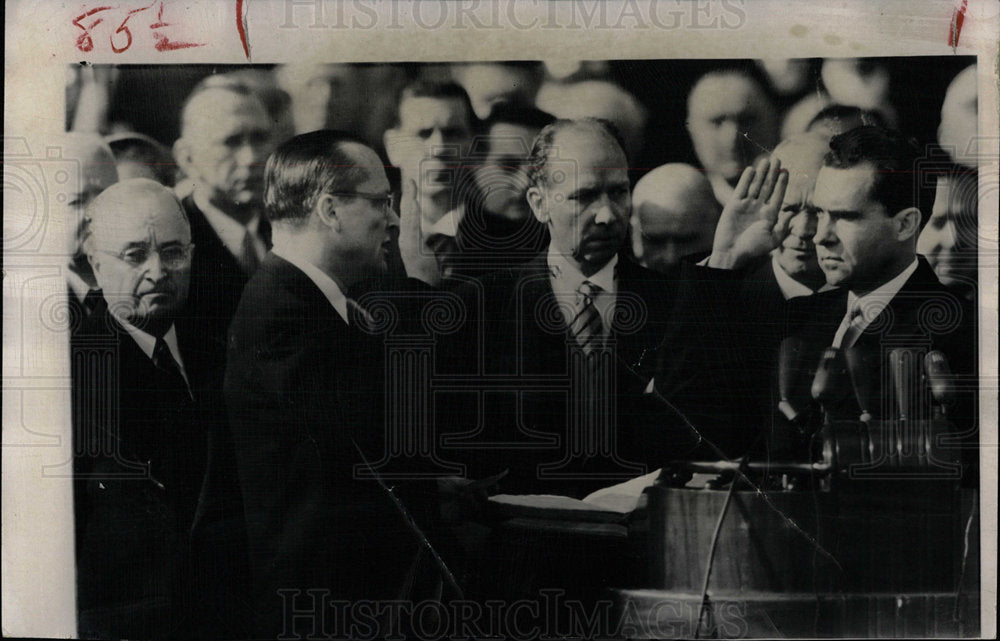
point(226, 135)
point(793, 270)
point(140, 462)
point(97, 173)
point(674, 213)
point(731, 121)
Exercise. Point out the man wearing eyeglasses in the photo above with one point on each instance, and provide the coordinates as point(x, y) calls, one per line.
point(145, 417)
point(305, 393)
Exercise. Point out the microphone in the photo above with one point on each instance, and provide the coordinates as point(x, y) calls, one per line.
point(904, 367)
point(864, 370)
point(939, 378)
point(828, 383)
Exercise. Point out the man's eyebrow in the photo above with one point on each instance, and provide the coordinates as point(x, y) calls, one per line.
point(848, 214)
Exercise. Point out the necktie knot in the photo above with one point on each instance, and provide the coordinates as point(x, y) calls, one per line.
point(588, 291)
point(165, 362)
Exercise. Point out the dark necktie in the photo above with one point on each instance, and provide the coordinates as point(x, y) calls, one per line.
point(164, 361)
point(248, 253)
point(587, 328)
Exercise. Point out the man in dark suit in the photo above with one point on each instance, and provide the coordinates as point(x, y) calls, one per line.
point(304, 392)
point(871, 203)
point(564, 347)
point(226, 136)
point(145, 418)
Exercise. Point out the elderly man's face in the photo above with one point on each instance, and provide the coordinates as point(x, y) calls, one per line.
point(730, 121)
point(431, 142)
point(855, 238)
point(501, 177)
point(226, 141)
point(140, 252)
point(585, 199)
point(797, 253)
point(948, 240)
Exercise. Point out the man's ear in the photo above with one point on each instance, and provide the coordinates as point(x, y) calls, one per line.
point(536, 200)
point(392, 139)
point(326, 211)
point(907, 223)
point(182, 155)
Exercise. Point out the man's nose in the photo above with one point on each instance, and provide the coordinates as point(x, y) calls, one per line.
point(435, 143)
point(249, 154)
point(824, 233)
point(391, 218)
point(154, 268)
point(605, 214)
point(728, 133)
point(803, 226)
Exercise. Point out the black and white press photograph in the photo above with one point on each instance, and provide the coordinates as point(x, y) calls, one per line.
point(637, 342)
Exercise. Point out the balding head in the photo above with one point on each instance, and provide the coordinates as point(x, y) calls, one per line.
point(598, 99)
point(959, 119)
point(802, 156)
point(674, 213)
point(138, 242)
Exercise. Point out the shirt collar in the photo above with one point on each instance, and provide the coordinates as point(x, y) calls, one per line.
point(569, 277)
point(791, 288)
point(446, 225)
point(872, 303)
point(147, 342)
point(229, 231)
point(327, 285)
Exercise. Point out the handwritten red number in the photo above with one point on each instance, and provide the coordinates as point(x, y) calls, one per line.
point(85, 42)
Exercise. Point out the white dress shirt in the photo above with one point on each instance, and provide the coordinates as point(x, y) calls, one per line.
point(566, 279)
point(327, 285)
point(871, 304)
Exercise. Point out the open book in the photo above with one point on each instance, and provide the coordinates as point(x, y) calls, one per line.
point(606, 505)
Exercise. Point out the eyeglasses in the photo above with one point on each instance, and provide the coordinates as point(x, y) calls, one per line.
point(383, 201)
point(172, 257)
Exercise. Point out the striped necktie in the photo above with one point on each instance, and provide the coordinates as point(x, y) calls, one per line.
point(854, 320)
point(587, 328)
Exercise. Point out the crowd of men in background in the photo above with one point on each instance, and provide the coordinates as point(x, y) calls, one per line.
point(234, 298)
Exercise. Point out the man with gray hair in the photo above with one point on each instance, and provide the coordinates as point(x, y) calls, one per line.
point(140, 462)
point(581, 328)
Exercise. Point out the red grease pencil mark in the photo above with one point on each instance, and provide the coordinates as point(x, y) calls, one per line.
point(957, 19)
point(164, 43)
point(241, 26)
